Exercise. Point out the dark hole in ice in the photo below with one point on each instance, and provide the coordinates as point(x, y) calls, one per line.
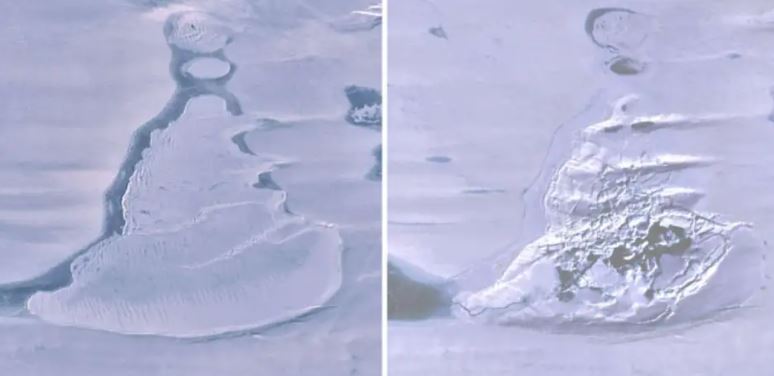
point(439, 32)
point(270, 124)
point(359, 96)
point(613, 128)
point(265, 181)
point(411, 299)
point(365, 106)
point(620, 259)
point(642, 126)
point(239, 140)
point(376, 172)
point(625, 66)
point(438, 159)
point(565, 296)
point(668, 239)
point(566, 278)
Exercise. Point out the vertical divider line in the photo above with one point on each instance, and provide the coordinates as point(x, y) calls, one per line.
point(385, 180)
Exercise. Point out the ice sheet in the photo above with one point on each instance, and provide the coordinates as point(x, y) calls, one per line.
point(504, 130)
point(238, 209)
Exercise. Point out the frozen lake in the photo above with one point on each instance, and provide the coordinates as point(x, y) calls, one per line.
point(190, 187)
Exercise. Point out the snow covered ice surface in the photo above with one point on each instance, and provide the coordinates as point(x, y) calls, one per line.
point(190, 187)
point(580, 187)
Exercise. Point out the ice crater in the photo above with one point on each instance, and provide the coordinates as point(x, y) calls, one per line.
point(623, 245)
point(366, 106)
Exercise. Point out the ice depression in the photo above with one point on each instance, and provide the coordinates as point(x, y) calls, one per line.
point(623, 241)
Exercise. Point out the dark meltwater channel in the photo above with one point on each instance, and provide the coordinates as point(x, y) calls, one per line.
point(187, 88)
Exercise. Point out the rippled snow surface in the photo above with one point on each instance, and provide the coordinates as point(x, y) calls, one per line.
point(184, 181)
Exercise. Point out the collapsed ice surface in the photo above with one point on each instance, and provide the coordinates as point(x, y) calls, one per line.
point(622, 244)
point(197, 32)
point(366, 110)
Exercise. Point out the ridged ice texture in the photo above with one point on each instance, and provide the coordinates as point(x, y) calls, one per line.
point(235, 269)
point(197, 32)
point(205, 249)
point(622, 243)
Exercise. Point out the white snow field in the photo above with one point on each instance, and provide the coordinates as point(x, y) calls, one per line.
point(190, 187)
point(580, 187)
